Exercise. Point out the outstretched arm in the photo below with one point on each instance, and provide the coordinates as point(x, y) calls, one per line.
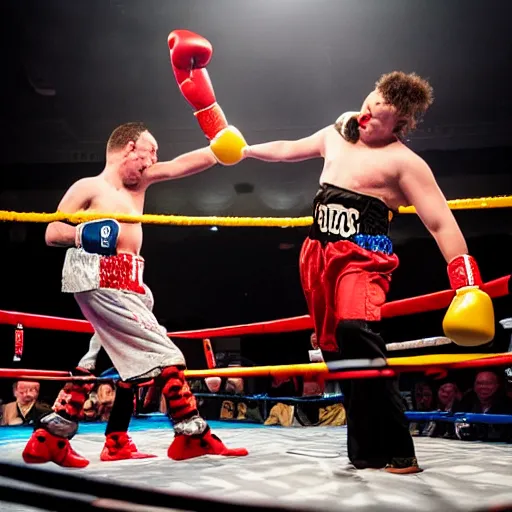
point(421, 190)
point(181, 166)
point(289, 150)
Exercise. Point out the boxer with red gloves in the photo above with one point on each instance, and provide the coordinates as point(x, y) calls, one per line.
point(347, 261)
point(190, 54)
point(104, 271)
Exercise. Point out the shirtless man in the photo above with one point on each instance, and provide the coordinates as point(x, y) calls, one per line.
point(104, 270)
point(347, 261)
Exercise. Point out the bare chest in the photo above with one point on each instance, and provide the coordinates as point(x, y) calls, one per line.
point(370, 171)
point(111, 200)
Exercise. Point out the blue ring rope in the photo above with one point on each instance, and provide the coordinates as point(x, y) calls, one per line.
point(457, 417)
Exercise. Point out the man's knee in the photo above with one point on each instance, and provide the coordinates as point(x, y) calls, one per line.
point(135, 383)
point(350, 330)
point(357, 338)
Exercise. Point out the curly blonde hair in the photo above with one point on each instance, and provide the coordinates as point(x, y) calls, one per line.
point(410, 94)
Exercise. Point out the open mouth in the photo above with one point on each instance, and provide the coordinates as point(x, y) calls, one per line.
point(364, 119)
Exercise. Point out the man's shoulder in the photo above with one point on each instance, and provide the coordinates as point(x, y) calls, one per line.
point(92, 181)
point(89, 186)
point(330, 136)
point(9, 407)
point(404, 151)
point(86, 183)
point(409, 159)
point(330, 129)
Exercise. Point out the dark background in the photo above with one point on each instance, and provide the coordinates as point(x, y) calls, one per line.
point(72, 71)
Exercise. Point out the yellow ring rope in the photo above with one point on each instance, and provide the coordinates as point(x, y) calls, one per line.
point(183, 220)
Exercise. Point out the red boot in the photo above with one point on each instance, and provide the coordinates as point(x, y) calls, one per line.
point(187, 447)
point(119, 446)
point(45, 447)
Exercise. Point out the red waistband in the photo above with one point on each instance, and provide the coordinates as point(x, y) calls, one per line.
point(122, 272)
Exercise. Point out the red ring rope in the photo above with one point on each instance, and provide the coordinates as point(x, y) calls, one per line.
point(422, 304)
point(12, 373)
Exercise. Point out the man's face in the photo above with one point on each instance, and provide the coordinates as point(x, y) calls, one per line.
point(26, 392)
point(423, 396)
point(486, 385)
point(140, 155)
point(446, 393)
point(106, 394)
point(384, 116)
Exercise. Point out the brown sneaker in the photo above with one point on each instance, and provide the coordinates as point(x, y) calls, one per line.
point(403, 466)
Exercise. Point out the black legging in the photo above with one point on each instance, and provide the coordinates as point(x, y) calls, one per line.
point(377, 430)
point(122, 410)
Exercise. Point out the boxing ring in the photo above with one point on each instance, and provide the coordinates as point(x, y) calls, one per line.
point(297, 468)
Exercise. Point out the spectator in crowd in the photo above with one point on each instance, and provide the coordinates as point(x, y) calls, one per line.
point(99, 402)
point(447, 395)
point(238, 407)
point(306, 413)
point(106, 394)
point(423, 401)
point(448, 398)
point(508, 387)
point(423, 396)
point(313, 413)
point(312, 387)
point(90, 408)
point(488, 397)
point(280, 386)
point(26, 409)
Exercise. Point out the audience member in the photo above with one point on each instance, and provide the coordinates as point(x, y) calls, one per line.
point(106, 394)
point(448, 398)
point(488, 397)
point(26, 409)
point(423, 401)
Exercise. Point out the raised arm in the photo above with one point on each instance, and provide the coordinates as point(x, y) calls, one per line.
point(78, 197)
point(289, 150)
point(181, 166)
point(421, 190)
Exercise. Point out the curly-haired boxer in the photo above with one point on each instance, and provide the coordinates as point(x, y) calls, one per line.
point(347, 260)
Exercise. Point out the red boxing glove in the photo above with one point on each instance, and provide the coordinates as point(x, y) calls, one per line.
point(190, 54)
point(463, 271)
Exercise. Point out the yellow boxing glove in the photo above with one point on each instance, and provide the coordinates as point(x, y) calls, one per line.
point(228, 145)
point(469, 321)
